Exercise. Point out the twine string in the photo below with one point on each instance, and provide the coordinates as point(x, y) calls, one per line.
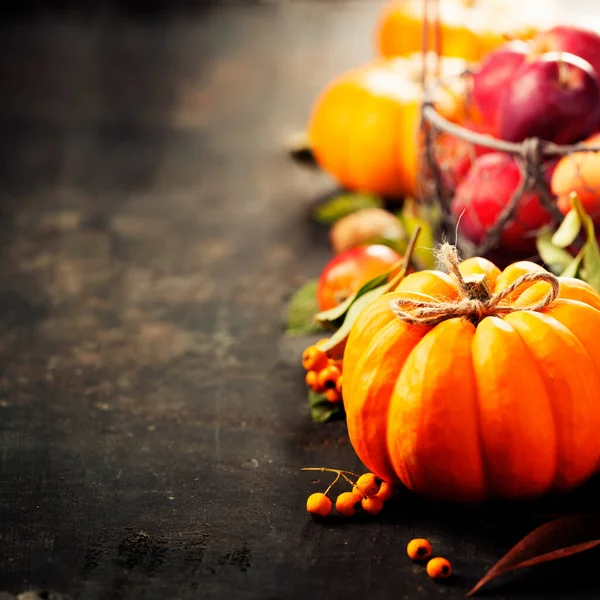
point(474, 301)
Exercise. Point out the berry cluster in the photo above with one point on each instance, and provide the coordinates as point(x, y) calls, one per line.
point(323, 374)
point(438, 567)
point(368, 493)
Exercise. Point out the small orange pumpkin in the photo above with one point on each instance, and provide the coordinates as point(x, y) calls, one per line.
point(364, 125)
point(579, 172)
point(501, 402)
point(469, 28)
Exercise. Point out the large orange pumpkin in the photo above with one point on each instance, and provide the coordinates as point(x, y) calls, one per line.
point(364, 126)
point(479, 406)
point(469, 28)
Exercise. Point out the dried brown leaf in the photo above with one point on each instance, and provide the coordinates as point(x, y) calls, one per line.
point(551, 541)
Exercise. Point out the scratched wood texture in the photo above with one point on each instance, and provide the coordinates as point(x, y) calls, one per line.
point(152, 415)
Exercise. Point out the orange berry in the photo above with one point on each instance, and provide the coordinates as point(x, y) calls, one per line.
point(314, 359)
point(333, 396)
point(318, 504)
point(419, 549)
point(439, 568)
point(386, 491)
point(372, 504)
point(328, 377)
point(368, 484)
point(338, 384)
point(336, 363)
point(312, 379)
point(347, 503)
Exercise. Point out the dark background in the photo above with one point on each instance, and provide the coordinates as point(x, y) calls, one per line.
point(153, 417)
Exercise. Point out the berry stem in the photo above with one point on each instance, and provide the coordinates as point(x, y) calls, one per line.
point(352, 483)
point(336, 471)
point(333, 483)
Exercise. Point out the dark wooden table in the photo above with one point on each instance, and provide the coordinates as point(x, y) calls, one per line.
point(153, 418)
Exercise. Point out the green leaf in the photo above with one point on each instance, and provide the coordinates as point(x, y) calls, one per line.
point(591, 263)
point(340, 206)
point(556, 258)
point(572, 270)
point(335, 316)
point(302, 310)
point(321, 410)
point(337, 342)
point(590, 251)
point(568, 230)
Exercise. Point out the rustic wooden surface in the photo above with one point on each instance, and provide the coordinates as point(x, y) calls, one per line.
point(152, 415)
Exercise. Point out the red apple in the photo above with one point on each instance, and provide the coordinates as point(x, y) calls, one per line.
point(568, 38)
point(491, 79)
point(348, 271)
point(486, 190)
point(555, 97)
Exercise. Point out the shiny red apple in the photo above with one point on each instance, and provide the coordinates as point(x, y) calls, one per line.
point(484, 193)
point(491, 78)
point(579, 41)
point(348, 271)
point(555, 97)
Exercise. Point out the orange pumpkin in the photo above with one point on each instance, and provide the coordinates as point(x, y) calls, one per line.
point(469, 28)
point(364, 125)
point(477, 406)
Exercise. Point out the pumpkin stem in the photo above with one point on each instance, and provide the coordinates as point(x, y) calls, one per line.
point(475, 302)
point(478, 287)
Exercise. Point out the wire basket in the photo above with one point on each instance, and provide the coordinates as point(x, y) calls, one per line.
point(534, 157)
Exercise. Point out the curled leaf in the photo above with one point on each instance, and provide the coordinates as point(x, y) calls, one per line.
point(568, 230)
point(336, 344)
point(590, 251)
point(572, 269)
point(556, 258)
point(335, 316)
point(551, 541)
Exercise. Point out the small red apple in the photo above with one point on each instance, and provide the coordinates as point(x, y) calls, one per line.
point(348, 271)
point(555, 97)
point(492, 76)
point(486, 190)
point(579, 41)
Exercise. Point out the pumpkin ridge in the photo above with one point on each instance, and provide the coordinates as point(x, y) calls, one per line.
point(579, 385)
point(563, 303)
point(479, 427)
point(378, 385)
point(559, 307)
point(517, 421)
point(553, 409)
point(426, 412)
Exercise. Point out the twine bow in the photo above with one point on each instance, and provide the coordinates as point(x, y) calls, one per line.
point(475, 301)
